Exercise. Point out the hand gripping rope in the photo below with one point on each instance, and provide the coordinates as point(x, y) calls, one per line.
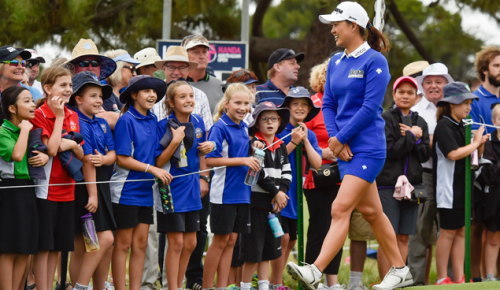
point(135, 180)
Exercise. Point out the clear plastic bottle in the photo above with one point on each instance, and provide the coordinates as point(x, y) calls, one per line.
point(253, 176)
point(275, 224)
point(89, 233)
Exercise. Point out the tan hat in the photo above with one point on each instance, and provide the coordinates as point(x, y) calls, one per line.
point(86, 47)
point(176, 53)
point(415, 67)
point(194, 40)
point(146, 56)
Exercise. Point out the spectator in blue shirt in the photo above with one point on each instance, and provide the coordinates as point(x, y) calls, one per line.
point(283, 71)
point(488, 70)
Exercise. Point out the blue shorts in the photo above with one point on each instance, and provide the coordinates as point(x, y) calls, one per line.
point(366, 168)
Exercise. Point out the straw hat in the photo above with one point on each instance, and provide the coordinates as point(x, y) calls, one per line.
point(176, 53)
point(86, 47)
point(415, 67)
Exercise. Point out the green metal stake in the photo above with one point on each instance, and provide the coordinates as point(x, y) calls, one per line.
point(467, 205)
point(300, 246)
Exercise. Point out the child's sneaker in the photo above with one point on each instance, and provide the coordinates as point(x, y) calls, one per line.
point(307, 275)
point(462, 281)
point(322, 286)
point(395, 278)
point(283, 288)
point(337, 286)
point(255, 281)
point(446, 281)
point(233, 287)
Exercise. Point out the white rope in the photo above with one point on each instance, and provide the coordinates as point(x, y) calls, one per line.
point(133, 180)
point(468, 122)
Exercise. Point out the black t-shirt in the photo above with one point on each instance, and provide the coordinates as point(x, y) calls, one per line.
point(449, 175)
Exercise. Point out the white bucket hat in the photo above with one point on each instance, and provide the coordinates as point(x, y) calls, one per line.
point(347, 10)
point(176, 53)
point(146, 56)
point(435, 69)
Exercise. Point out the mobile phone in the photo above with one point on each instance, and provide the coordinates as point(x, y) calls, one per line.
point(407, 121)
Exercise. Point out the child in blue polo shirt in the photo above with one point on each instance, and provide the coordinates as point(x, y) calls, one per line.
point(229, 196)
point(98, 150)
point(135, 139)
point(181, 225)
point(302, 109)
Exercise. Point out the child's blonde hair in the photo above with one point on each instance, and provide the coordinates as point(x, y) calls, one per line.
point(495, 112)
point(231, 89)
point(49, 77)
point(171, 91)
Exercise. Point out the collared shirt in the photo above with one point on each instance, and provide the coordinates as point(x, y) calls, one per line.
point(357, 52)
point(135, 136)
point(45, 119)
point(96, 133)
point(8, 139)
point(481, 109)
point(427, 110)
point(290, 211)
point(37, 85)
point(231, 141)
point(185, 190)
point(269, 92)
point(201, 108)
point(212, 87)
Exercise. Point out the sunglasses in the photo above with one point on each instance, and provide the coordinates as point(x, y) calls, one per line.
point(289, 52)
point(31, 64)
point(15, 62)
point(86, 63)
point(131, 68)
point(240, 73)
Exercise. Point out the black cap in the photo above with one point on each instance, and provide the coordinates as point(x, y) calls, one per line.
point(85, 78)
point(282, 54)
point(301, 92)
point(284, 114)
point(10, 53)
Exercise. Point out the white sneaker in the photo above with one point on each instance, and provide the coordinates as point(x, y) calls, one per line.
point(337, 286)
point(307, 275)
point(395, 278)
point(322, 286)
point(357, 286)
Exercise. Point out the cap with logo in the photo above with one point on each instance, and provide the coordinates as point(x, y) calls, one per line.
point(10, 53)
point(86, 47)
point(282, 54)
point(298, 93)
point(284, 114)
point(35, 58)
point(456, 93)
point(347, 10)
point(435, 69)
point(176, 53)
point(194, 40)
point(146, 56)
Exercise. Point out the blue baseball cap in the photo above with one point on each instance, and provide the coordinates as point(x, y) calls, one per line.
point(126, 58)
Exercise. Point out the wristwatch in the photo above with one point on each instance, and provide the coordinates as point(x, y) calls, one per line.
point(206, 178)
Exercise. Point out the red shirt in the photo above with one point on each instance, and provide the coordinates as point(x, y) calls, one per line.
point(317, 125)
point(45, 119)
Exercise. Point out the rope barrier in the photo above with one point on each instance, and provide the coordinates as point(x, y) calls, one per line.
point(468, 122)
point(134, 180)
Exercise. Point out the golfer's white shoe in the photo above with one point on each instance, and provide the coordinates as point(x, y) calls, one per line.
point(307, 275)
point(395, 278)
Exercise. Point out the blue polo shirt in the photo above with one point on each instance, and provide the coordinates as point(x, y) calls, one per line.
point(135, 136)
point(232, 141)
point(290, 210)
point(269, 92)
point(186, 193)
point(481, 109)
point(96, 133)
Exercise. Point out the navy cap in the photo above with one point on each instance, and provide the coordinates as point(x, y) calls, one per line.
point(142, 82)
point(281, 54)
point(85, 78)
point(284, 114)
point(301, 92)
point(10, 53)
point(456, 93)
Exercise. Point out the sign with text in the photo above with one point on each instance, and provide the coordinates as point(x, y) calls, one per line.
point(223, 56)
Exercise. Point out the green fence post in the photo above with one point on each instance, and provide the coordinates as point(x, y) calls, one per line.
point(468, 188)
point(300, 245)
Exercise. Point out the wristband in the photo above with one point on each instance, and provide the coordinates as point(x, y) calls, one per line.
point(215, 146)
point(147, 167)
point(294, 143)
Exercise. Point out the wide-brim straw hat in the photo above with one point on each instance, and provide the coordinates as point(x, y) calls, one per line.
point(86, 47)
point(176, 53)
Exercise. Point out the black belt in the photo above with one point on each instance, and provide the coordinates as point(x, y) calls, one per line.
point(427, 170)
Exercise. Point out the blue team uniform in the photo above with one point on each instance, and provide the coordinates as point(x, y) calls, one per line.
point(185, 190)
point(96, 133)
point(352, 107)
point(232, 141)
point(135, 136)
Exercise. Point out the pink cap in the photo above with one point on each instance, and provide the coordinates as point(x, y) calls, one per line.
point(404, 79)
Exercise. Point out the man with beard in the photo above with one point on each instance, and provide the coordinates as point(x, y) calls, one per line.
point(488, 70)
point(283, 70)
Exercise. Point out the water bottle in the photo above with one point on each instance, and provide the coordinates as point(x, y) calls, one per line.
point(167, 203)
point(89, 233)
point(274, 222)
point(183, 161)
point(252, 175)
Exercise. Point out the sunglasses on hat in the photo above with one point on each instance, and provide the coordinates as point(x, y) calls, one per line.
point(15, 62)
point(86, 63)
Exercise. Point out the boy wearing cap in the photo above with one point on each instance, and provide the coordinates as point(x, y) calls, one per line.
point(269, 195)
point(198, 47)
point(283, 70)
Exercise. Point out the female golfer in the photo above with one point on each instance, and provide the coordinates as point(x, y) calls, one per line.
point(354, 91)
